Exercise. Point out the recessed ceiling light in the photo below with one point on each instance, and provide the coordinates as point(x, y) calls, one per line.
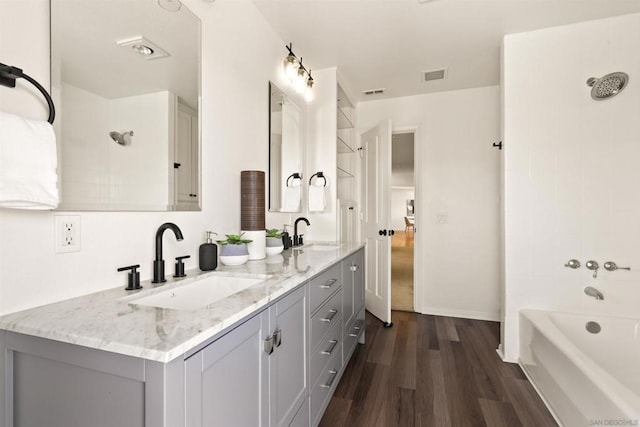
point(170, 5)
point(145, 47)
point(142, 49)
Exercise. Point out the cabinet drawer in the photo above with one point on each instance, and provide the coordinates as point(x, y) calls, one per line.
point(323, 352)
point(325, 386)
point(327, 316)
point(323, 285)
point(352, 332)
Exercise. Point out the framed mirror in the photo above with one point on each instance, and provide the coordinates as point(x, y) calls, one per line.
point(126, 83)
point(286, 181)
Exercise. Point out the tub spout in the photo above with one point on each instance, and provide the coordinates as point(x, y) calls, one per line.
point(593, 292)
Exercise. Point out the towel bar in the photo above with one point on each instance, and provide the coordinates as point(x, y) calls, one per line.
point(8, 76)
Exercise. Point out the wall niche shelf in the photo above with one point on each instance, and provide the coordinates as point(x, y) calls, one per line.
point(344, 122)
point(343, 147)
point(343, 173)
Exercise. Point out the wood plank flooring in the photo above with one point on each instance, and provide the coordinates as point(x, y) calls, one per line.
point(433, 371)
point(402, 271)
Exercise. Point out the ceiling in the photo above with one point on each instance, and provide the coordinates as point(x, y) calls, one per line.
point(388, 43)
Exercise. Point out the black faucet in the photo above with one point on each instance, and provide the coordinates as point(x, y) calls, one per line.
point(158, 264)
point(297, 240)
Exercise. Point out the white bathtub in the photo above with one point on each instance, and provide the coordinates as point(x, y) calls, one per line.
point(586, 379)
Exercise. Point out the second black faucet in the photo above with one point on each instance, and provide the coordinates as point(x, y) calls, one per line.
point(297, 239)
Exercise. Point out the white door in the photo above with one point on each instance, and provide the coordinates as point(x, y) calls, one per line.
point(376, 169)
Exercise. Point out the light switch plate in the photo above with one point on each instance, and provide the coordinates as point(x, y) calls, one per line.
point(67, 232)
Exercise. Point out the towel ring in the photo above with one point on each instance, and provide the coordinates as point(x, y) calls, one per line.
point(293, 176)
point(8, 76)
point(319, 175)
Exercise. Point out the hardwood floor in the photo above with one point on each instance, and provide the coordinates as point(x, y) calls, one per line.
point(402, 271)
point(433, 371)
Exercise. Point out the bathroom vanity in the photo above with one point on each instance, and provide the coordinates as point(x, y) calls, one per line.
point(268, 355)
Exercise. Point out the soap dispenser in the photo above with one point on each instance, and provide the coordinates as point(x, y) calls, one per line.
point(208, 258)
point(286, 239)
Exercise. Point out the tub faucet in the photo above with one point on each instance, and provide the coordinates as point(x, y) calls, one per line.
point(297, 239)
point(158, 264)
point(593, 292)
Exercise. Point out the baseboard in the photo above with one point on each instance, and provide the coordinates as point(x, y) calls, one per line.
point(465, 314)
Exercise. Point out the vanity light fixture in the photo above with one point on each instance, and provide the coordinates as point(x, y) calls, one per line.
point(297, 74)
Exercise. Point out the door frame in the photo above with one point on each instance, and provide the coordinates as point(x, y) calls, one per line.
point(418, 214)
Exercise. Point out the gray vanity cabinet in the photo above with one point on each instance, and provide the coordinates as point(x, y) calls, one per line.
point(255, 375)
point(353, 301)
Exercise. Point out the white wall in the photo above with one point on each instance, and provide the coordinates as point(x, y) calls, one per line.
point(457, 172)
point(234, 123)
point(571, 170)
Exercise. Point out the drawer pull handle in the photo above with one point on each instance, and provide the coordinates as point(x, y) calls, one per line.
point(268, 345)
point(277, 338)
point(328, 351)
point(329, 284)
point(354, 268)
point(353, 334)
point(330, 316)
point(334, 374)
point(356, 327)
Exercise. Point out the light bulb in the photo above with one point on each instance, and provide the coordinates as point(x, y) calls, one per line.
point(290, 66)
point(300, 81)
point(308, 92)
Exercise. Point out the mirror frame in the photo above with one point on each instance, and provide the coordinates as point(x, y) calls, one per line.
point(174, 202)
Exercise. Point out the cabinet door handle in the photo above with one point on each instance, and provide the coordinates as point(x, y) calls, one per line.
point(334, 374)
point(277, 338)
point(329, 284)
point(328, 351)
point(268, 345)
point(330, 316)
point(354, 268)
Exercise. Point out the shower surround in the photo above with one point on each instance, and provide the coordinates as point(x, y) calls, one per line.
point(571, 171)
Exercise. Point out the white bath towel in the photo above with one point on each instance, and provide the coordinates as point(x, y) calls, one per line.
point(292, 199)
point(28, 161)
point(317, 200)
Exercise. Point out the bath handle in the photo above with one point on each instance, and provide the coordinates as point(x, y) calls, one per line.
point(593, 265)
point(612, 266)
point(573, 263)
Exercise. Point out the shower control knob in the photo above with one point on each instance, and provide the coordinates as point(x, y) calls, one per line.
point(593, 265)
point(573, 263)
point(612, 266)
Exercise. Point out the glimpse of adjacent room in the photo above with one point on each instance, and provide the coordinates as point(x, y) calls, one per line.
point(402, 221)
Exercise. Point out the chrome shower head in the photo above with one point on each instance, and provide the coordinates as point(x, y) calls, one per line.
point(121, 138)
point(607, 86)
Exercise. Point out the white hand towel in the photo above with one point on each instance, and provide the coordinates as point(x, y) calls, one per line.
point(28, 161)
point(317, 201)
point(292, 199)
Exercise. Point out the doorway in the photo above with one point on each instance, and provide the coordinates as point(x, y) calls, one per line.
point(402, 220)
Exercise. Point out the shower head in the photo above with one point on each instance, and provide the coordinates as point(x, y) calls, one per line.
point(607, 86)
point(121, 138)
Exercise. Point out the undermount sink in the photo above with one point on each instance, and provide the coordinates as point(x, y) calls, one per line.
point(198, 294)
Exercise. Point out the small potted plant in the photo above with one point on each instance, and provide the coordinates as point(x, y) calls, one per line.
point(233, 249)
point(274, 242)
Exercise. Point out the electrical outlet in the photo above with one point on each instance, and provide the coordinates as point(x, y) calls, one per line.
point(67, 231)
point(442, 218)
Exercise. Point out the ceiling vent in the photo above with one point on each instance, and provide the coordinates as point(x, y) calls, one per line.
point(373, 91)
point(434, 74)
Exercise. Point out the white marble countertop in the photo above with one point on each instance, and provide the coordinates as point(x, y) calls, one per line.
point(108, 321)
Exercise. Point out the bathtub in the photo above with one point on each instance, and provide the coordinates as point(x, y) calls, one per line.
point(585, 378)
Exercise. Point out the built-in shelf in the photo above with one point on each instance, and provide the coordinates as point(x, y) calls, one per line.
point(343, 121)
point(343, 147)
point(343, 173)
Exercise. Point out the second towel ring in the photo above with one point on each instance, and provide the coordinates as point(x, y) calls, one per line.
point(319, 174)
